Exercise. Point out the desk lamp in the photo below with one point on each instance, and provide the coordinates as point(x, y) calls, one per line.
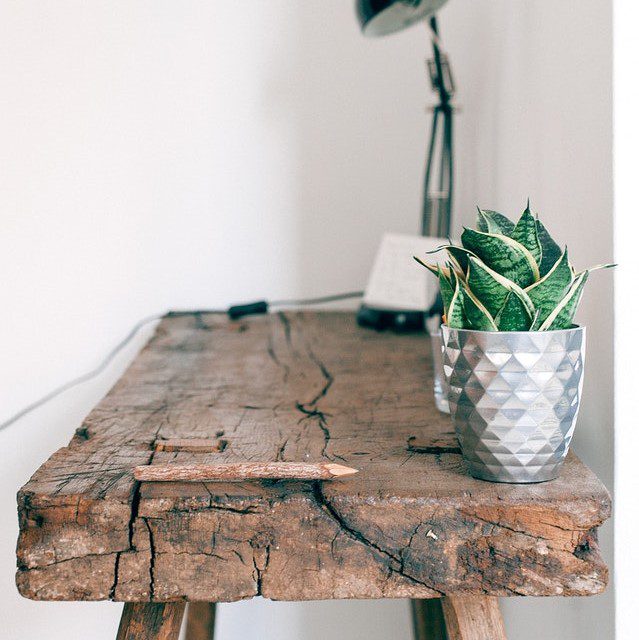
point(380, 18)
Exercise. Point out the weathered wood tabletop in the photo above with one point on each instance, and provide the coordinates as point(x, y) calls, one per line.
point(293, 387)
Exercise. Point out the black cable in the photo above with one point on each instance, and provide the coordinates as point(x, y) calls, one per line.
point(309, 301)
point(256, 307)
point(263, 306)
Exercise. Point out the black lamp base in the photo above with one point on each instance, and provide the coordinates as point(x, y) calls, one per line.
point(397, 321)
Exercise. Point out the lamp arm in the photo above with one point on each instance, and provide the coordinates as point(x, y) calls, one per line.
point(437, 203)
point(444, 96)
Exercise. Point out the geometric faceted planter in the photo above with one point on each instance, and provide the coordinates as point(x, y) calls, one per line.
point(514, 398)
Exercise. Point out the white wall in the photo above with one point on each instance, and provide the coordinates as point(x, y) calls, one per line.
point(626, 308)
point(156, 154)
point(536, 85)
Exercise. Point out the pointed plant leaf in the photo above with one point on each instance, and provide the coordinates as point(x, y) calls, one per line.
point(513, 316)
point(550, 250)
point(493, 222)
point(433, 268)
point(492, 288)
point(548, 292)
point(441, 247)
point(482, 222)
point(476, 314)
point(503, 255)
point(456, 318)
point(536, 323)
point(597, 267)
point(459, 256)
point(562, 315)
point(446, 290)
point(526, 233)
point(488, 286)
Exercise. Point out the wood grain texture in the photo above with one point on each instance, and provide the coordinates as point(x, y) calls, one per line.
point(192, 445)
point(151, 621)
point(200, 621)
point(428, 619)
point(301, 387)
point(473, 618)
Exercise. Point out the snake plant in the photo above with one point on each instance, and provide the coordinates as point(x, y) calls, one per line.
point(508, 276)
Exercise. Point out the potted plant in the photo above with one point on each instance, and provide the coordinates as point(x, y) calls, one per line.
point(512, 357)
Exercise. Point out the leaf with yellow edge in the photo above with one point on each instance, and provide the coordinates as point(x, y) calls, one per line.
point(476, 313)
point(504, 255)
point(493, 222)
point(492, 289)
point(526, 233)
point(513, 316)
point(456, 318)
point(563, 314)
point(446, 290)
point(433, 268)
point(547, 293)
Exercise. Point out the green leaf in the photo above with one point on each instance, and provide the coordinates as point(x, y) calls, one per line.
point(550, 250)
point(526, 233)
point(534, 325)
point(446, 289)
point(492, 288)
point(493, 222)
point(597, 267)
point(433, 268)
point(458, 256)
point(513, 316)
point(456, 318)
point(504, 255)
point(487, 285)
point(476, 314)
point(563, 314)
point(548, 292)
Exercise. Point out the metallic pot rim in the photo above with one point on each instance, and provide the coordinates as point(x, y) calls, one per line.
point(574, 328)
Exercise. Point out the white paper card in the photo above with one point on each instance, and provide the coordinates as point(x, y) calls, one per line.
point(397, 282)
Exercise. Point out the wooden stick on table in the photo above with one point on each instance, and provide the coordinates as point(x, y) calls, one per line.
point(241, 471)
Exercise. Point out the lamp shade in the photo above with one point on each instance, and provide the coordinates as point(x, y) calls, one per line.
point(381, 17)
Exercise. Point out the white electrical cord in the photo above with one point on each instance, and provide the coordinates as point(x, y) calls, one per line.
point(85, 377)
point(80, 379)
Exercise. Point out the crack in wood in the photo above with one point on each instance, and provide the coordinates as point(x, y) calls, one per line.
point(286, 323)
point(362, 537)
point(270, 349)
point(310, 408)
point(396, 563)
point(116, 576)
point(151, 560)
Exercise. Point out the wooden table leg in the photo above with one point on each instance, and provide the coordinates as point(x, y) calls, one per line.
point(200, 620)
point(428, 619)
point(151, 621)
point(473, 618)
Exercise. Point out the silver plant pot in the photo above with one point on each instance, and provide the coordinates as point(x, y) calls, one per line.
point(514, 398)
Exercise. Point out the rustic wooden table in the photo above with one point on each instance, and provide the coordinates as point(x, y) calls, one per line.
point(295, 387)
